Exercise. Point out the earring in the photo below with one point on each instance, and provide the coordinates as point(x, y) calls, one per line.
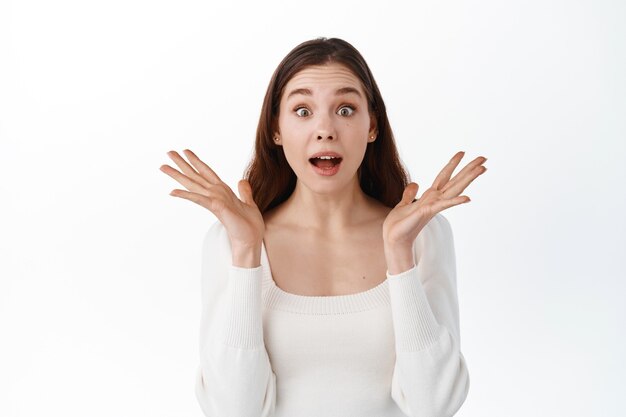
point(275, 138)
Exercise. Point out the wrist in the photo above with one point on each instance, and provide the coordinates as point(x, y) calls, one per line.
point(246, 256)
point(399, 258)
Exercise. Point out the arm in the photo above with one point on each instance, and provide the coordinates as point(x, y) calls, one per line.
point(235, 376)
point(430, 377)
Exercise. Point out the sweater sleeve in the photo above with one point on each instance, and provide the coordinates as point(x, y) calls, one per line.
point(430, 377)
point(234, 377)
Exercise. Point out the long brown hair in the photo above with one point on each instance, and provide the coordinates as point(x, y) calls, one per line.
point(381, 174)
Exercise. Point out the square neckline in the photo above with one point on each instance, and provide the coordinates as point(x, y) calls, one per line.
point(270, 278)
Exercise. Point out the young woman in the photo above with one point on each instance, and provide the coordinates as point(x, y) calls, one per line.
point(328, 289)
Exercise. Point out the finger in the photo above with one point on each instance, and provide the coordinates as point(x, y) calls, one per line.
point(183, 180)
point(457, 187)
point(465, 171)
point(444, 176)
point(199, 199)
point(187, 169)
point(450, 202)
point(202, 168)
point(409, 193)
point(245, 192)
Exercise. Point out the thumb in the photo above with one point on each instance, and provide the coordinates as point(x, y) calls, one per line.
point(409, 194)
point(245, 192)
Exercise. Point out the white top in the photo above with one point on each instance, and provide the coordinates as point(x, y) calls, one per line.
point(393, 350)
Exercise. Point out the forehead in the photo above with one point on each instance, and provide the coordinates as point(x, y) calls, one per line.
point(324, 77)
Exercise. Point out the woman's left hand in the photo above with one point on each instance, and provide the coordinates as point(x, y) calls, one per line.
point(408, 217)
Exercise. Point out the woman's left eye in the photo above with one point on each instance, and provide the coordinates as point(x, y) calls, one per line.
point(346, 111)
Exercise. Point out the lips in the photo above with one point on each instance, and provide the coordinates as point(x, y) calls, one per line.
point(325, 159)
point(325, 153)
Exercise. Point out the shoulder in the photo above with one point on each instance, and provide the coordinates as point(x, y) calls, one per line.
point(215, 231)
point(216, 240)
point(438, 228)
point(441, 226)
point(435, 238)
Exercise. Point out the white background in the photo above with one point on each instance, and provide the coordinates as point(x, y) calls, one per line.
point(99, 288)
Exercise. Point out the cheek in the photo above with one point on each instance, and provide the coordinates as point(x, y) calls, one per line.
point(355, 134)
point(358, 124)
point(293, 149)
point(288, 126)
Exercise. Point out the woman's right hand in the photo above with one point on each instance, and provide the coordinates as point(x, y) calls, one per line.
point(241, 217)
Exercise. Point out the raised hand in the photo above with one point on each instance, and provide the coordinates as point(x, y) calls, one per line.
point(241, 217)
point(409, 216)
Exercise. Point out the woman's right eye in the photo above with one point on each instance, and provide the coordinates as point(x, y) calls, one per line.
point(302, 112)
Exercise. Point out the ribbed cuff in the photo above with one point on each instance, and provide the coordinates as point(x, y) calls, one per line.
point(415, 325)
point(244, 317)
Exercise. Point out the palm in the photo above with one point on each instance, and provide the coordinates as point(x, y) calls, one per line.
point(241, 217)
point(409, 216)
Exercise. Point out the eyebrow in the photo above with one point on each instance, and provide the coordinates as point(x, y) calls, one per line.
point(339, 92)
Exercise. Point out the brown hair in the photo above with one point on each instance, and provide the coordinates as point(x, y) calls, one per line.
point(381, 174)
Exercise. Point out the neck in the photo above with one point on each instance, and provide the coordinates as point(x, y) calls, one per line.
point(334, 211)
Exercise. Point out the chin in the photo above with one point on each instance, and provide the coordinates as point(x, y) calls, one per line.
point(328, 185)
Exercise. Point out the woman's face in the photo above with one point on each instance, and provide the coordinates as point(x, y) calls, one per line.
point(324, 109)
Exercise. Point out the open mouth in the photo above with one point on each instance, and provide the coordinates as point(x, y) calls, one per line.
point(325, 162)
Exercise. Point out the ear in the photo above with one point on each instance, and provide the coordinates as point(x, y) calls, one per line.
point(276, 138)
point(373, 132)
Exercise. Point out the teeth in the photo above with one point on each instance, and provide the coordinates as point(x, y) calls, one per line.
point(327, 157)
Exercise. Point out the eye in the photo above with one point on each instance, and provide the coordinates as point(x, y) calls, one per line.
point(303, 112)
point(346, 111)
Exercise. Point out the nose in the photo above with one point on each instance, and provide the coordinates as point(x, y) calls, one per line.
point(325, 129)
point(321, 136)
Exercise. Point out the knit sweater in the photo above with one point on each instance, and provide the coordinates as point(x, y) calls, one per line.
point(391, 351)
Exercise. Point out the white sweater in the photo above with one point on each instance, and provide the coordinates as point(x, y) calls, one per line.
point(393, 350)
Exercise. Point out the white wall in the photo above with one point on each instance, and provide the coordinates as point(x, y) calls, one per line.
point(99, 270)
